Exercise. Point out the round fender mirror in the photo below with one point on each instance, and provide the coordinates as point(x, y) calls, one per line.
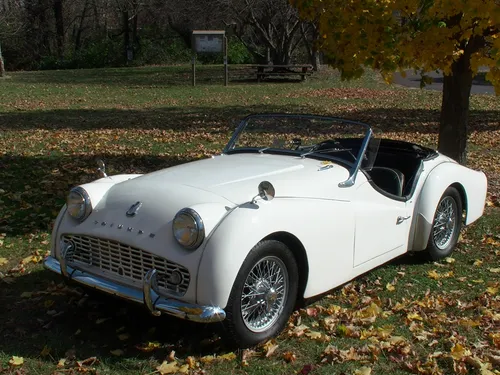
point(266, 191)
point(101, 167)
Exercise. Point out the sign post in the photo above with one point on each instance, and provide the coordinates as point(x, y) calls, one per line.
point(226, 67)
point(209, 41)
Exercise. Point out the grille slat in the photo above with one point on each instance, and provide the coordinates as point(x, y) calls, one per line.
point(129, 263)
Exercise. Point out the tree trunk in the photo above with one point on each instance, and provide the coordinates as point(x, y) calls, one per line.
point(126, 35)
point(135, 38)
point(316, 62)
point(2, 66)
point(46, 48)
point(78, 38)
point(58, 14)
point(455, 111)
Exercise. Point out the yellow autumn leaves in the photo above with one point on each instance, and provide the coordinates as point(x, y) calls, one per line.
point(392, 34)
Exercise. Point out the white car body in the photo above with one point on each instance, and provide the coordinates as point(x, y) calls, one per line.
point(337, 233)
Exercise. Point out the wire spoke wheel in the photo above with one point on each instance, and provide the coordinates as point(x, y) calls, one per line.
point(264, 294)
point(445, 222)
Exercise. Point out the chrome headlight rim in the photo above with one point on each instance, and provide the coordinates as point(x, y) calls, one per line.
point(198, 221)
point(87, 204)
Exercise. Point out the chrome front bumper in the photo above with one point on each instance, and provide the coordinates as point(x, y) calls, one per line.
point(154, 302)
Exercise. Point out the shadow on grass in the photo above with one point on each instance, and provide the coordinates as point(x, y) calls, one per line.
point(190, 118)
point(36, 187)
point(67, 318)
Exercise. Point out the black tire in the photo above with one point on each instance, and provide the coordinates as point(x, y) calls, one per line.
point(442, 245)
point(243, 331)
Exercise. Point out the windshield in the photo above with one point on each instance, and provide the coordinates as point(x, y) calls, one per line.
point(349, 142)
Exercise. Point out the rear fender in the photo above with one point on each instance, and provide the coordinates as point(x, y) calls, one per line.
point(471, 185)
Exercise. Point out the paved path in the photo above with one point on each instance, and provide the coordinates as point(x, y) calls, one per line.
point(479, 85)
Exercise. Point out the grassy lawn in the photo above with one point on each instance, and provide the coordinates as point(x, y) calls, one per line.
point(407, 316)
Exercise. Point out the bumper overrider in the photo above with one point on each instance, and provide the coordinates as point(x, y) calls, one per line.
point(155, 303)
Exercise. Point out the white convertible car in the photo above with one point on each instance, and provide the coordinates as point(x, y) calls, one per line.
point(294, 206)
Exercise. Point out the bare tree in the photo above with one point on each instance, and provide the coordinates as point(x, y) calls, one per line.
point(10, 24)
point(130, 11)
point(268, 28)
point(311, 37)
point(57, 6)
point(185, 16)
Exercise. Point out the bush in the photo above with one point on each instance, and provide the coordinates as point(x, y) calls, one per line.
point(96, 54)
point(237, 53)
point(163, 51)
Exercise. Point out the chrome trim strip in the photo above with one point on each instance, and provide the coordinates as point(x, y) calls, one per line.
point(179, 309)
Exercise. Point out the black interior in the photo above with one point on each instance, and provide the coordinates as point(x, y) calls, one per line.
point(396, 167)
point(403, 157)
point(388, 179)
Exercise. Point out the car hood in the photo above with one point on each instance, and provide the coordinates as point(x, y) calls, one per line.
point(138, 210)
point(236, 178)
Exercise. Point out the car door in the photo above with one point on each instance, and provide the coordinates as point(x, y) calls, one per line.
point(381, 223)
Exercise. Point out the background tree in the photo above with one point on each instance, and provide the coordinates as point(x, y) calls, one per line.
point(456, 37)
point(265, 26)
point(312, 41)
point(10, 25)
point(59, 34)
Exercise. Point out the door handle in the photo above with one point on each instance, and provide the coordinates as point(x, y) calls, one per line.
point(400, 219)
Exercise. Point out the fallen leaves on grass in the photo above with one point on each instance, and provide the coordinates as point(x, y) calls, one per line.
point(117, 352)
point(343, 93)
point(433, 274)
point(289, 357)
point(59, 157)
point(363, 371)
point(148, 346)
point(168, 368)
point(269, 348)
point(16, 361)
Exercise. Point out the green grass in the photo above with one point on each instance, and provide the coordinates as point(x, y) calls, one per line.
point(55, 124)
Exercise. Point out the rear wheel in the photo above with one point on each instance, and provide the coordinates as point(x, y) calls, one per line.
point(446, 225)
point(263, 294)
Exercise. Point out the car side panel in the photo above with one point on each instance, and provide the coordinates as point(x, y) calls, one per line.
point(436, 182)
point(325, 228)
point(377, 228)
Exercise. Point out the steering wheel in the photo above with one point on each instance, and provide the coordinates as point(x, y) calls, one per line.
point(335, 146)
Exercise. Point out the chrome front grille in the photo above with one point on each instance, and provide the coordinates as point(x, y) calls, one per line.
point(125, 263)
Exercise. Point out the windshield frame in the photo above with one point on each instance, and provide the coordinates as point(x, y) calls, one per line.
point(353, 170)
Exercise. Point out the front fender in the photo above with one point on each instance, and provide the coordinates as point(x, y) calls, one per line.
point(474, 185)
point(98, 188)
point(324, 227)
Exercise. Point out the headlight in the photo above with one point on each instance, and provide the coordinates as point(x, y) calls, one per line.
point(188, 228)
point(78, 202)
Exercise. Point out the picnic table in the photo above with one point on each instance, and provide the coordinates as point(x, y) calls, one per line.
point(266, 70)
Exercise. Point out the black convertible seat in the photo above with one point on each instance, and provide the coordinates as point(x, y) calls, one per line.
point(388, 179)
